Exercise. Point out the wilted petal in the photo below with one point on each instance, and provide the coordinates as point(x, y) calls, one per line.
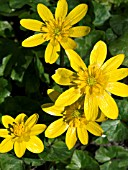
point(31, 24)
point(98, 53)
point(35, 145)
point(71, 137)
point(4, 133)
point(32, 120)
point(68, 97)
point(52, 52)
point(56, 128)
point(7, 120)
point(37, 129)
point(75, 61)
point(113, 63)
point(61, 10)
point(53, 94)
point(76, 14)
point(6, 145)
point(34, 40)
point(68, 44)
point(44, 12)
point(19, 148)
point(79, 31)
point(82, 135)
point(118, 89)
point(94, 128)
point(20, 118)
point(108, 105)
point(63, 76)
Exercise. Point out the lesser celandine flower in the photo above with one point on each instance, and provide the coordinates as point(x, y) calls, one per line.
point(96, 83)
point(21, 133)
point(74, 121)
point(57, 29)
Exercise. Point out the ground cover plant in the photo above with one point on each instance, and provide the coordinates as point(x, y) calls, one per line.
point(63, 84)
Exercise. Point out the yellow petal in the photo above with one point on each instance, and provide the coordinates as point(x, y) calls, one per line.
point(101, 117)
point(79, 31)
point(53, 94)
point(37, 129)
point(108, 105)
point(90, 107)
point(63, 76)
point(4, 133)
point(118, 89)
point(117, 74)
point(56, 128)
point(31, 24)
point(35, 145)
point(68, 44)
point(20, 118)
point(52, 109)
point(7, 120)
point(32, 120)
point(82, 135)
point(76, 14)
point(6, 145)
point(44, 12)
point(34, 40)
point(71, 137)
point(75, 61)
point(52, 52)
point(61, 10)
point(68, 97)
point(19, 148)
point(94, 128)
point(113, 63)
point(98, 53)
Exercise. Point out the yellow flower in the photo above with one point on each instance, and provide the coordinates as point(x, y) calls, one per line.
point(95, 83)
point(74, 121)
point(21, 134)
point(57, 29)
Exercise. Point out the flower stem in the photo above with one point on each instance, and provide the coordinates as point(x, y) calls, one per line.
point(62, 57)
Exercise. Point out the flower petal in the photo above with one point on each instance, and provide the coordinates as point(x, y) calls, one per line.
point(56, 128)
point(31, 24)
point(98, 53)
point(6, 145)
point(34, 40)
point(53, 94)
point(79, 31)
point(7, 120)
point(113, 63)
point(68, 43)
point(44, 12)
point(108, 105)
point(118, 89)
point(53, 109)
point(4, 133)
point(71, 137)
point(20, 118)
point(52, 52)
point(61, 10)
point(117, 74)
point(75, 61)
point(35, 145)
point(63, 76)
point(76, 14)
point(37, 129)
point(94, 128)
point(32, 120)
point(82, 135)
point(19, 148)
point(90, 107)
point(68, 97)
point(101, 117)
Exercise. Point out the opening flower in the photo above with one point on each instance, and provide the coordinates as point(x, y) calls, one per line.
point(96, 83)
point(57, 29)
point(22, 134)
point(74, 121)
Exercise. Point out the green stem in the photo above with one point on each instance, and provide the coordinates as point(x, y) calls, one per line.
point(62, 57)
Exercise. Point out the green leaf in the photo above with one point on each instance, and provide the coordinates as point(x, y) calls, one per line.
point(101, 12)
point(33, 162)
point(4, 28)
point(4, 92)
point(81, 160)
point(123, 109)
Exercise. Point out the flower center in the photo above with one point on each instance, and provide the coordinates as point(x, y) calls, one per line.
point(16, 129)
point(91, 81)
point(76, 114)
point(57, 31)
